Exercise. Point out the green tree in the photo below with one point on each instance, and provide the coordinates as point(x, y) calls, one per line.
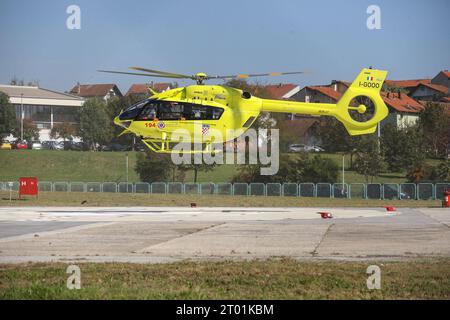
point(333, 135)
point(30, 130)
point(256, 89)
point(293, 168)
point(63, 131)
point(197, 168)
point(288, 134)
point(369, 161)
point(251, 173)
point(320, 169)
point(16, 82)
point(402, 148)
point(95, 123)
point(156, 167)
point(7, 117)
point(428, 173)
point(335, 138)
point(442, 172)
point(289, 167)
point(434, 122)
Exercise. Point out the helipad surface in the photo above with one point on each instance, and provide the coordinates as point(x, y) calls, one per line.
point(164, 234)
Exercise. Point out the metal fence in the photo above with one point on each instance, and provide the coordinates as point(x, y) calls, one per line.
point(421, 191)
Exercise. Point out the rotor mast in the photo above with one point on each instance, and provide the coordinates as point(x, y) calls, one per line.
point(200, 78)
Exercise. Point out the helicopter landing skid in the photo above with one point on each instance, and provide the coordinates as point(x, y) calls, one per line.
point(159, 146)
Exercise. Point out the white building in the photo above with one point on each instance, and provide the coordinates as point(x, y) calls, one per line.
point(44, 107)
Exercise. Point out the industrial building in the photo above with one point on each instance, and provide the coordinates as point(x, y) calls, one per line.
point(44, 107)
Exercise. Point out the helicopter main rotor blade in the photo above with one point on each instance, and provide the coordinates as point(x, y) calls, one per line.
point(177, 75)
point(140, 74)
point(199, 77)
point(244, 76)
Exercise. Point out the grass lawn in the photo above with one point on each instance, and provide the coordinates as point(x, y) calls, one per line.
point(270, 279)
point(129, 199)
point(51, 165)
point(221, 173)
point(72, 166)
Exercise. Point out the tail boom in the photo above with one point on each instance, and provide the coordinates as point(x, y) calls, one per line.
point(367, 84)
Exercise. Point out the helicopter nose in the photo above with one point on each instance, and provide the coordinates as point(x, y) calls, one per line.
point(122, 123)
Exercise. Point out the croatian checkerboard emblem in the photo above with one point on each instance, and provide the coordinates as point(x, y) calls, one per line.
point(205, 129)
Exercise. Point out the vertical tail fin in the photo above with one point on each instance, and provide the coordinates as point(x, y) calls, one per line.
point(361, 107)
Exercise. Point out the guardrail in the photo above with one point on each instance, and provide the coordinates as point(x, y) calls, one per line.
point(421, 191)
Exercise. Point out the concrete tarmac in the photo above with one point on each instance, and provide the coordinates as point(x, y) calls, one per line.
point(167, 234)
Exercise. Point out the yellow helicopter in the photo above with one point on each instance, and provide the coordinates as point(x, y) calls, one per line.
point(199, 109)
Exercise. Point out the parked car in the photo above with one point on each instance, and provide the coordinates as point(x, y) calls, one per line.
point(5, 146)
point(139, 146)
point(75, 146)
point(52, 145)
point(20, 145)
point(304, 148)
point(297, 148)
point(35, 145)
point(314, 149)
point(116, 147)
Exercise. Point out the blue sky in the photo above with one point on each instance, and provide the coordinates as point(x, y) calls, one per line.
point(329, 38)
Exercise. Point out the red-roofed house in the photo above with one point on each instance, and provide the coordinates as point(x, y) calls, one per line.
point(425, 89)
point(104, 91)
point(429, 92)
point(339, 85)
point(442, 78)
point(403, 110)
point(142, 88)
point(315, 94)
point(282, 91)
point(301, 128)
point(408, 85)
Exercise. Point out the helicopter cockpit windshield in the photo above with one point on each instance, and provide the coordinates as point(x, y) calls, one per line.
point(132, 112)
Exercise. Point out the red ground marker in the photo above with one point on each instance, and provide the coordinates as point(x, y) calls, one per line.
point(325, 215)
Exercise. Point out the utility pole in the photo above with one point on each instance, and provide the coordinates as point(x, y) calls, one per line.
point(21, 116)
point(379, 136)
point(126, 167)
point(343, 174)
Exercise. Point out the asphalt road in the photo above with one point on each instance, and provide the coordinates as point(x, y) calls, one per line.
point(153, 235)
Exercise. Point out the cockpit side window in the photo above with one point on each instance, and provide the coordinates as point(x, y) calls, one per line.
point(149, 112)
point(216, 113)
point(198, 112)
point(170, 110)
